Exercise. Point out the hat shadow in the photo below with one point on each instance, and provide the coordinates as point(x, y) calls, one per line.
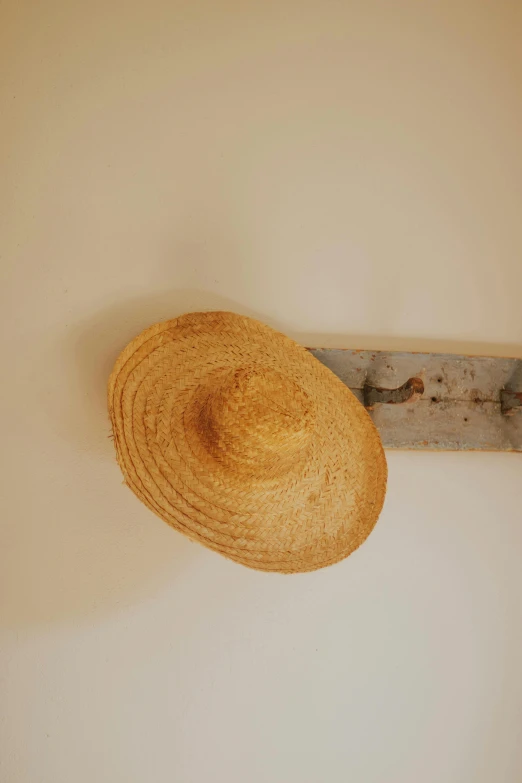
point(130, 554)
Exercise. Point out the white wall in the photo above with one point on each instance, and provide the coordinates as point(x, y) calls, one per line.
point(349, 172)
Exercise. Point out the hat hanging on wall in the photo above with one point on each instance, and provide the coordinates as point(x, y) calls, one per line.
point(238, 437)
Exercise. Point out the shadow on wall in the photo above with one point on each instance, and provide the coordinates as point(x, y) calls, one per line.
point(104, 550)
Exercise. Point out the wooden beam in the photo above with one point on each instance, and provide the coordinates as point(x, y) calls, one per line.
point(435, 401)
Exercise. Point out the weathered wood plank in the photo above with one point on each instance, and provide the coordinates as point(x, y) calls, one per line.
point(464, 404)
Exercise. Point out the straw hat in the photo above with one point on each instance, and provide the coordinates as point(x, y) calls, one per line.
point(238, 437)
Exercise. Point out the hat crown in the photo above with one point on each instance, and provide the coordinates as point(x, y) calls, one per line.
point(256, 420)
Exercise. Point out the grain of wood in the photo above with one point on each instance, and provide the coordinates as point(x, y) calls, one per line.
point(462, 407)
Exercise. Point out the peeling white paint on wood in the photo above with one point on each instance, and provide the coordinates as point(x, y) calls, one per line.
point(461, 407)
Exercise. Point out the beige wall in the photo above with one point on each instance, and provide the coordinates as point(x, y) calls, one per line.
point(349, 172)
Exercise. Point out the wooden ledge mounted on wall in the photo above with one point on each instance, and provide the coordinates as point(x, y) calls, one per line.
point(435, 401)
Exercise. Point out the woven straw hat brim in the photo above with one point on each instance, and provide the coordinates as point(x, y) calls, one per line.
point(239, 438)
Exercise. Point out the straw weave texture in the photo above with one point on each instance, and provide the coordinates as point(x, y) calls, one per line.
point(238, 437)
